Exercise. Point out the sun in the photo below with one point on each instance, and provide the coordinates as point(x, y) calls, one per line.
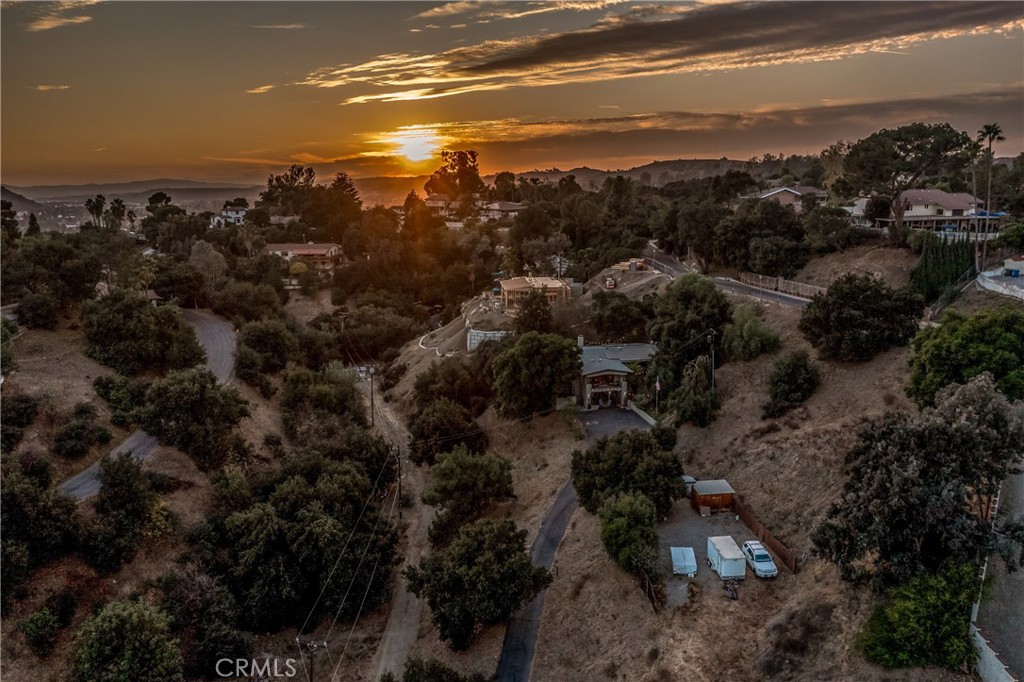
point(415, 144)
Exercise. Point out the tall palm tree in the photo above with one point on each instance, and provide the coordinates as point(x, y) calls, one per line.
point(989, 133)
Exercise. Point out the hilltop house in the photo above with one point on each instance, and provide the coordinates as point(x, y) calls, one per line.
point(233, 215)
point(320, 257)
point(500, 210)
point(935, 209)
point(514, 290)
point(603, 381)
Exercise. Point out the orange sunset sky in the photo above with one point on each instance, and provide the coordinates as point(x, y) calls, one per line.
point(231, 91)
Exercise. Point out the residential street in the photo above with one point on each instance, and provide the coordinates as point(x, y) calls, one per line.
point(217, 337)
point(521, 635)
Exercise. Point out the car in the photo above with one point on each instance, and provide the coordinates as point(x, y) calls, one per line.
point(759, 559)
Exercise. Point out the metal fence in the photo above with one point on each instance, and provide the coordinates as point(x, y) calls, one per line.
point(784, 286)
point(932, 311)
point(787, 556)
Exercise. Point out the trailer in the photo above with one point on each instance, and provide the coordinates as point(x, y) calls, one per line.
point(725, 558)
point(684, 562)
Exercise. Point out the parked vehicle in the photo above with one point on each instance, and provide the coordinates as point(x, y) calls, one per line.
point(759, 559)
point(725, 558)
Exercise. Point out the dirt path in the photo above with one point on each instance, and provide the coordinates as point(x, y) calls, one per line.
point(403, 626)
point(217, 337)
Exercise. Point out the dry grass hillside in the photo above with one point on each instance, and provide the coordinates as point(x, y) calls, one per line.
point(885, 262)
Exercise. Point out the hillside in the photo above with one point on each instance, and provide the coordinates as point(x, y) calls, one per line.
point(19, 202)
point(122, 189)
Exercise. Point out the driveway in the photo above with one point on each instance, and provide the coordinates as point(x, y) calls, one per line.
point(521, 635)
point(217, 337)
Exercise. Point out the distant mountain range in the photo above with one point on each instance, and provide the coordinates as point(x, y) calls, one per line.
point(19, 202)
point(124, 189)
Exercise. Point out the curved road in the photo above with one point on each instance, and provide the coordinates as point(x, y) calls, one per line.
point(217, 337)
point(521, 635)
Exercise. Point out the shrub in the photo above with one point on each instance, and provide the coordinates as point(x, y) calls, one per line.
point(453, 379)
point(127, 640)
point(417, 670)
point(80, 434)
point(463, 486)
point(747, 337)
point(40, 630)
point(17, 412)
point(249, 368)
point(925, 622)
point(272, 340)
point(858, 317)
point(695, 401)
point(793, 380)
point(628, 532)
point(123, 395)
point(442, 427)
point(39, 311)
point(247, 301)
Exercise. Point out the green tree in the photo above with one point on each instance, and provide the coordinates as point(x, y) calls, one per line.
point(39, 310)
point(40, 630)
point(628, 532)
point(33, 226)
point(619, 319)
point(697, 222)
point(9, 222)
point(747, 337)
point(124, 508)
point(756, 219)
point(453, 379)
point(459, 177)
point(628, 462)
point(690, 307)
point(191, 412)
point(442, 426)
point(964, 347)
point(892, 161)
point(921, 488)
point(95, 208)
point(695, 401)
point(127, 640)
point(858, 317)
point(534, 314)
point(480, 579)
point(793, 380)
point(463, 485)
point(989, 133)
point(247, 301)
point(534, 372)
point(272, 340)
point(208, 261)
point(827, 228)
point(926, 622)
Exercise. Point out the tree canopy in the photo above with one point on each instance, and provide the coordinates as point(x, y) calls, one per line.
point(534, 372)
point(858, 317)
point(480, 579)
point(127, 640)
point(921, 488)
point(964, 347)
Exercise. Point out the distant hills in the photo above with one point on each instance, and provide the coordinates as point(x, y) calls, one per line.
point(125, 189)
point(19, 202)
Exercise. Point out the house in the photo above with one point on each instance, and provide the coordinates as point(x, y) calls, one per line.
point(322, 257)
point(937, 210)
point(716, 495)
point(501, 210)
point(439, 204)
point(604, 376)
point(515, 289)
point(794, 196)
point(1013, 267)
point(234, 215)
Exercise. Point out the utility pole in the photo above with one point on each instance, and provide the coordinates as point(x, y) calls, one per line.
point(313, 647)
point(371, 396)
point(398, 455)
point(711, 343)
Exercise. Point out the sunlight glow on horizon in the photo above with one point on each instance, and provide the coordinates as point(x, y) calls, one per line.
point(414, 143)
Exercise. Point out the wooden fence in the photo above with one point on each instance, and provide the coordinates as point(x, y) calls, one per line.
point(787, 556)
point(783, 286)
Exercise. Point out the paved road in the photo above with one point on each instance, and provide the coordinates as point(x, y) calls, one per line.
point(674, 268)
point(217, 337)
point(521, 635)
point(1001, 616)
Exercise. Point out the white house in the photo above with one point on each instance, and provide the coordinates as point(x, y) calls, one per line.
point(937, 210)
point(499, 210)
point(234, 215)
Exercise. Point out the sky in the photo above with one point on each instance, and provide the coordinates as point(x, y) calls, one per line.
point(234, 91)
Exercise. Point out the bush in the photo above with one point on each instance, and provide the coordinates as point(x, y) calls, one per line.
point(272, 340)
point(628, 532)
point(925, 622)
point(858, 317)
point(123, 395)
point(40, 630)
point(776, 256)
point(695, 401)
point(417, 670)
point(39, 311)
point(747, 337)
point(452, 379)
point(463, 486)
point(793, 380)
point(127, 640)
point(80, 434)
point(247, 301)
point(249, 368)
point(442, 427)
point(17, 412)
point(36, 467)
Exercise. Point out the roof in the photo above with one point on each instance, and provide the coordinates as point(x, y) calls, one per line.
point(524, 283)
point(683, 559)
point(599, 365)
point(300, 249)
point(954, 201)
point(505, 206)
point(610, 358)
point(799, 190)
point(716, 487)
point(726, 546)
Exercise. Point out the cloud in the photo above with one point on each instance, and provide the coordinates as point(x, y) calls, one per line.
point(260, 90)
point(48, 88)
point(489, 11)
point(100, 149)
point(280, 27)
point(653, 40)
point(56, 14)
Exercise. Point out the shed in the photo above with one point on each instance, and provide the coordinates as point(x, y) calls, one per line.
point(684, 561)
point(716, 495)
